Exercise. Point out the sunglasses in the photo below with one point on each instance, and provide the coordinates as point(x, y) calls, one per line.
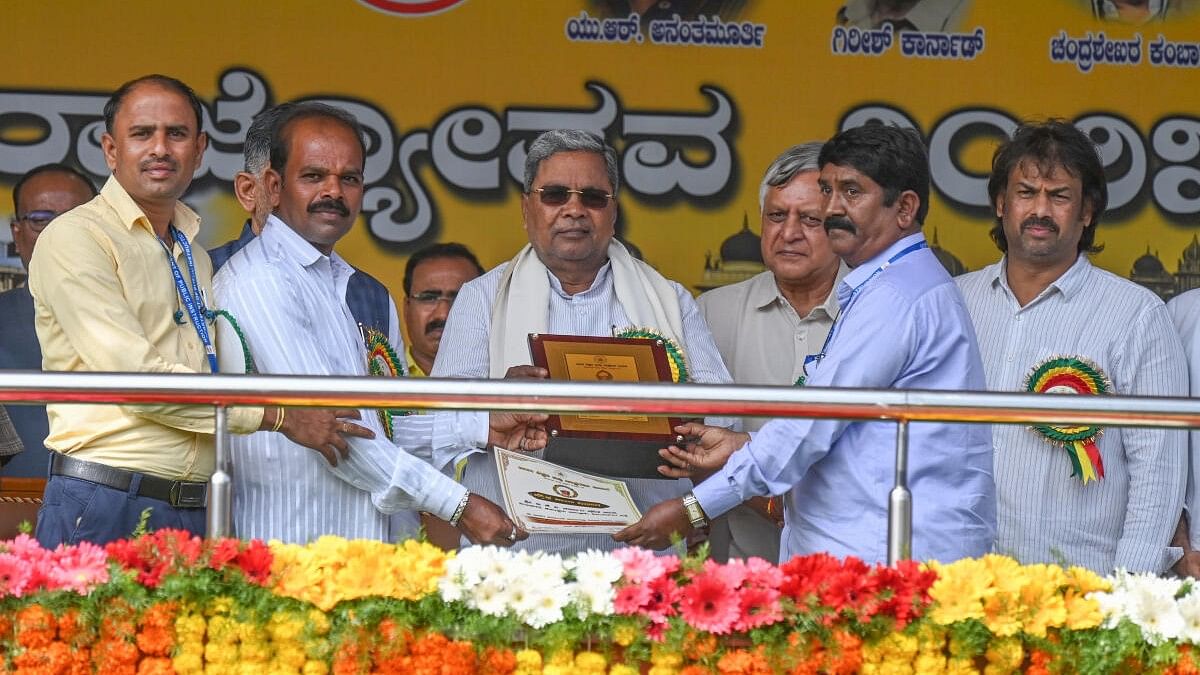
point(557, 195)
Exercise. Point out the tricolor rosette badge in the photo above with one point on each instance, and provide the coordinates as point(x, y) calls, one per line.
point(1072, 375)
point(675, 358)
point(383, 362)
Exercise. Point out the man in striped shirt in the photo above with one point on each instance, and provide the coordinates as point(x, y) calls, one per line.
point(1072, 495)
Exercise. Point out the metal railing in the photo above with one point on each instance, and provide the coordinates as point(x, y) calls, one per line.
point(687, 400)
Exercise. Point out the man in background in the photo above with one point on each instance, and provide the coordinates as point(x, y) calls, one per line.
point(766, 325)
point(432, 278)
point(39, 196)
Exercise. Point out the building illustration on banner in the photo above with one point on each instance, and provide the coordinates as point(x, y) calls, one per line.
point(1150, 272)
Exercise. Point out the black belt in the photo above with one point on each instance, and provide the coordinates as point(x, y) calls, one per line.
point(177, 493)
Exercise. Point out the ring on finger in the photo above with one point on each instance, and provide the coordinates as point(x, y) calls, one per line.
point(513, 535)
point(522, 443)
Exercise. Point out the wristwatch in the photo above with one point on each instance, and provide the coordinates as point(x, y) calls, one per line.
point(694, 512)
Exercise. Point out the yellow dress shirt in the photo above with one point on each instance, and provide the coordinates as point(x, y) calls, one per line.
point(413, 369)
point(105, 301)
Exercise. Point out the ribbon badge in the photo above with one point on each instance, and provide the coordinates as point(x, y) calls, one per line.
point(675, 359)
point(383, 362)
point(1072, 375)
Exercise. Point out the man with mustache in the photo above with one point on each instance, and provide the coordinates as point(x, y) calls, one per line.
point(902, 325)
point(117, 287)
point(286, 290)
point(766, 325)
point(432, 279)
point(573, 278)
point(1074, 496)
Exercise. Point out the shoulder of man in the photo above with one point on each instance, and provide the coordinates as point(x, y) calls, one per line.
point(731, 296)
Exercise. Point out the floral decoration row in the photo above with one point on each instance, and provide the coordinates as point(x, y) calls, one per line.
point(170, 602)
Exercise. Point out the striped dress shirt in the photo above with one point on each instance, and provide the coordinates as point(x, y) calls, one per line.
point(1044, 514)
point(289, 300)
point(463, 352)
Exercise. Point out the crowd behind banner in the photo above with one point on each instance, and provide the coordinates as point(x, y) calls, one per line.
point(848, 283)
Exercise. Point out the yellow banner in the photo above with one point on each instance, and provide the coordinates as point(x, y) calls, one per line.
point(698, 96)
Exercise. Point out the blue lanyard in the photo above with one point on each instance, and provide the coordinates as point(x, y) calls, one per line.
point(193, 304)
point(816, 358)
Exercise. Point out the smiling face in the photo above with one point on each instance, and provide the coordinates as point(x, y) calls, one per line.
point(321, 191)
point(156, 144)
point(794, 244)
point(1043, 214)
point(570, 239)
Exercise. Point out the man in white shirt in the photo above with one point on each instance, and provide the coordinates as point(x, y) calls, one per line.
point(286, 290)
point(573, 278)
point(1048, 321)
point(766, 325)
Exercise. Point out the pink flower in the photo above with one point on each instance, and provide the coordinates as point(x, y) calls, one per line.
point(763, 573)
point(710, 604)
point(657, 630)
point(642, 566)
point(632, 599)
point(25, 546)
point(664, 593)
point(758, 607)
point(732, 573)
point(78, 568)
point(14, 575)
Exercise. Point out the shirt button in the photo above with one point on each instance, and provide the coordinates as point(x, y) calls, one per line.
point(1018, 317)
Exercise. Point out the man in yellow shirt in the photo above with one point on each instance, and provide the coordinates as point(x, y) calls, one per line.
point(432, 277)
point(118, 287)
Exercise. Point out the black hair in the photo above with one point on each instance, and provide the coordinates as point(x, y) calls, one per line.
point(892, 156)
point(435, 251)
point(48, 168)
point(1051, 144)
point(113, 105)
point(308, 110)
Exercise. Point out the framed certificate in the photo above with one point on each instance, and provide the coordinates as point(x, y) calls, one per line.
point(543, 497)
point(611, 444)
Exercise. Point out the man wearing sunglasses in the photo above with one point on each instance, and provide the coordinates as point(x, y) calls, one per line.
point(39, 196)
point(573, 278)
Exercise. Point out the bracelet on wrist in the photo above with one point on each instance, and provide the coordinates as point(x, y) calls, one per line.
point(278, 419)
point(460, 510)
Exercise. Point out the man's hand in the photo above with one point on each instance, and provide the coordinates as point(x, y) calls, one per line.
point(485, 523)
point(770, 508)
point(655, 528)
point(526, 373)
point(1189, 564)
point(518, 431)
point(707, 452)
point(322, 429)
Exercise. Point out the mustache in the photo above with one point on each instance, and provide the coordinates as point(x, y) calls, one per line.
point(1044, 221)
point(436, 324)
point(840, 223)
point(166, 159)
point(334, 205)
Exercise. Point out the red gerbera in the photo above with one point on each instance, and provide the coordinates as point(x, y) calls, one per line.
point(708, 603)
point(255, 562)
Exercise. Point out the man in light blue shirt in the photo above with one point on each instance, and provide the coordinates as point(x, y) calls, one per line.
point(902, 325)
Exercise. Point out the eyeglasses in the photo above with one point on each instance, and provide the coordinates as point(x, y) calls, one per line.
point(38, 220)
point(434, 297)
point(557, 195)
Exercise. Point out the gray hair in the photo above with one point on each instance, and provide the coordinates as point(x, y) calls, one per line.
point(569, 140)
point(256, 150)
point(794, 160)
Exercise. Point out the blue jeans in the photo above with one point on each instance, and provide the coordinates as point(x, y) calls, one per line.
point(76, 510)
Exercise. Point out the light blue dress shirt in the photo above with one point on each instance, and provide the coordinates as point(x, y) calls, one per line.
point(907, 328)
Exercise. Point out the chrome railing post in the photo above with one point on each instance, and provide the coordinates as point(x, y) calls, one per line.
point(900, 502)
point(220, 489)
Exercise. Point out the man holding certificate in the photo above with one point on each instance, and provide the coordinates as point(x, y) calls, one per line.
point(573, 278)
point(902, 324)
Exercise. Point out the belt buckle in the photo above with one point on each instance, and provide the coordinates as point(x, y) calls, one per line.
point(189, 495)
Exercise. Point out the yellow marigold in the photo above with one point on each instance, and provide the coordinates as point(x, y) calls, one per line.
point(529, 661)
point(894, 668)
point(931, 637)
point(221, 630)
point(1051, 613)
point(929, 663)
point(1085, 581)
point(959, 666)
point(662, 670)
point(660, 655)
point(318, 622)
point(624, 634)
point(217, 652)
point(190, 627)
point(186, 662)
point(622, 669)
point(1002, 614)
point(314, 667)
point(331, 570)
point(285, 626)
point(255, 653)
point(218, 605)
point(591, 662)
point(960, 590)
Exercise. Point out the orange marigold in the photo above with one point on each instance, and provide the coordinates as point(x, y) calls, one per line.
point(36, 626)
point(52, 657)
point(699, 645)
point(742, 662)
point(498, 661)
point(1187, 662)
point(155, 665)
point(846, 657)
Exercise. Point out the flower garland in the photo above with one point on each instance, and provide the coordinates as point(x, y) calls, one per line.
point(170, 602)
point(675, 357)
point(1072, 375)
point(383, 362)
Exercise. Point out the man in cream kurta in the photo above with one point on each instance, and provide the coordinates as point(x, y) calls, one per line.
point(573, 279)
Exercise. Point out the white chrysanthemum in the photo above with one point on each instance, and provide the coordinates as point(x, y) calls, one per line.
point(545, 607)
point(1189, 609)
point(596, 568)
point(451, 589)
point(490, 598)
point(594, 600)
point(1153, 608)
